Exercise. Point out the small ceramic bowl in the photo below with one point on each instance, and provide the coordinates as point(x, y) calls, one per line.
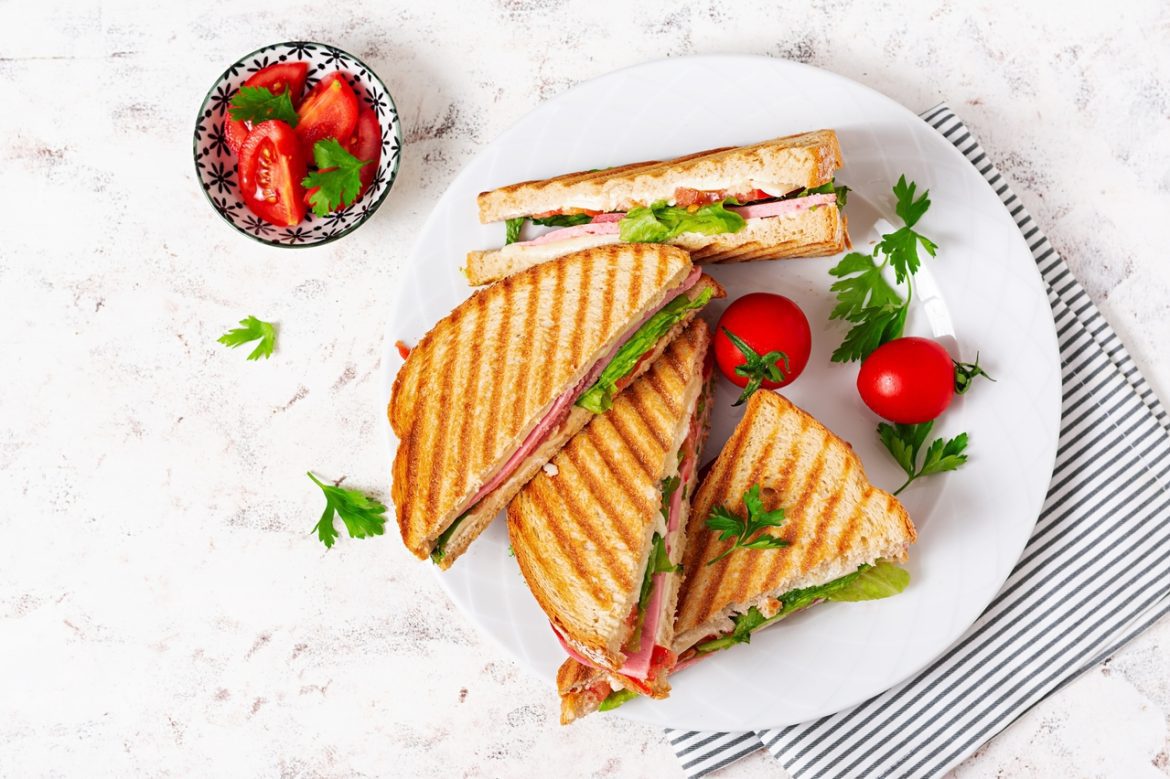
point(215, 165)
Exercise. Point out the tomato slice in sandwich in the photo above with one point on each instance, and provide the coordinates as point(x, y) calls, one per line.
point(272, 164)
point(330, 110)
point(275, 78)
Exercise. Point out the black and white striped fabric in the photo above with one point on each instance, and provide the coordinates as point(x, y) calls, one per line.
point(1095, 573)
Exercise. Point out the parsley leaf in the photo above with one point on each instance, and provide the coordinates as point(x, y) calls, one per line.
point(966, 373)
point(881, 325)
point(905, 442)
point(563, 220)
point(907, 208)
point(337, 180)
point(259, 104)
point(756, 368)
point(362, 515)
point(730, 525)
point(901, 246)
point(253, 329)
point(513, 229)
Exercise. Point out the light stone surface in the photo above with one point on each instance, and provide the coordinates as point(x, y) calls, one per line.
point(163, 610)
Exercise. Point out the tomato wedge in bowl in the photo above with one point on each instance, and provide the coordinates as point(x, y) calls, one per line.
point(267, 207)
point(272, 165)
point(330, 110)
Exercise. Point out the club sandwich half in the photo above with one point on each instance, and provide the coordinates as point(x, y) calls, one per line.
point(823, 533)
point(767, 201)
point(600, 533)
point(499, 385)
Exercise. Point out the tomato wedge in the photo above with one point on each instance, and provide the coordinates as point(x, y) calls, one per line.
point(272, 164)
point(330, 110)
point(366, 144)
point(277, 78)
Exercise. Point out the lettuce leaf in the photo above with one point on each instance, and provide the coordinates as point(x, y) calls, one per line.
point(616, 698)
point(562, 220)
point(878, 581)
point(660, 222)
point(599, 397)
point(659, 563)
point(439, 550)
point(830, 187)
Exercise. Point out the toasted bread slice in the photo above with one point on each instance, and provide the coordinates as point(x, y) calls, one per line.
point(489, 373)
point(779, 165)
point(836, 521)
point(814, 232)
point(582, 530)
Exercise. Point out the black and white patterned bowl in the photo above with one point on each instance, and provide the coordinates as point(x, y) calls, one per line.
point(215, 165)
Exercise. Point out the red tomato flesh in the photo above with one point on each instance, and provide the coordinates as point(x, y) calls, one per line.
point(767, 323)
point(367, 145)
point(272, 165)
point(908, 380)
point(276, 78)
point(330, 110)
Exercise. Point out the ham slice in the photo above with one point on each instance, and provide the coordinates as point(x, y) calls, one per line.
point(607, 224)
point(563, 405)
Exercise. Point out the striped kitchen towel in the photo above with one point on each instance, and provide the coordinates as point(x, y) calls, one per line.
point(1095, 573)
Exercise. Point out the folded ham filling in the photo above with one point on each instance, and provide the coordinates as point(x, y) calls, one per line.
point(561, 407)
point(609, 224)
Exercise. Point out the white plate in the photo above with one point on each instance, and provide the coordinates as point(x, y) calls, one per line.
point(983, 289)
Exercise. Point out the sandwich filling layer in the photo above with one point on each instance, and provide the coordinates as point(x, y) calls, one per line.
point(596, 389)
point(690, 211)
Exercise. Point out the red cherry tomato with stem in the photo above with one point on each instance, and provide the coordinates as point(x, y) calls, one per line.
point(908, 380)
point(272, 164)
point(762, 340)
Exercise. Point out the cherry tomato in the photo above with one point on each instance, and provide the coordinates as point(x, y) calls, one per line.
point(366, 144)
point(908, 380)
point(277, 78)
point(766, 323)
point(330, 110)
point(272, 165)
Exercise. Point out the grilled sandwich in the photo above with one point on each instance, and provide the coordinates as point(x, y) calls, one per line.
point(599, 534)
point(770, 200)
point(498, 386)
point(843, 536)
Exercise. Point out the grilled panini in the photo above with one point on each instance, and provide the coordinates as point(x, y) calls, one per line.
point(780, 202)
point(842, 532)
point(496, 387)
point(599, 534)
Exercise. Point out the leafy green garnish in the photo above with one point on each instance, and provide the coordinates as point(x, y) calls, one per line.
point(905, 441)
point(439, 550)
point(513, 230)
point(659, 562)
point(868, 582)
point(669, 486)
point(599, 397)
point(616, 698)
point(730, 525)
point(362, 515)
point(966, 373)
point(337, 180)
point(562, 220)
point(659, 222)
point(252, 329)
point(756, 367)
point(865, 299)
point(830, 187)
point(259, 104)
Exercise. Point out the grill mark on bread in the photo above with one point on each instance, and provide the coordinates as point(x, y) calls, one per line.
point(470, 394)
point(500, 365)
point(600, 493)
point(596, 534)
point(643, 415)
point(619, 478)
point(629, 441)
point(811, 481)
point(539, 497)
point(851, 524)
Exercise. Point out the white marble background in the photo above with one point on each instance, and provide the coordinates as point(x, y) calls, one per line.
point(163, 610)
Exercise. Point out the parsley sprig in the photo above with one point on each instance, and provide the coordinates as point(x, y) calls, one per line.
point(756, 367)
point(252, 329)
point(875, 308)
point(337, 180)
point(730, 525)
point(905, 442)
point(966, 373)
point(362, 515)
point(259, 104)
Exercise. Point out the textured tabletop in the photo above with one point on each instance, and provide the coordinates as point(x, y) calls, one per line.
point(163, 608)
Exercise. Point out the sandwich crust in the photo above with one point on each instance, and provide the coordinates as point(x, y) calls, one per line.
point(582, 537)
point(786, 163)
point(814, 232)
point(835, 519)
point(485, 375)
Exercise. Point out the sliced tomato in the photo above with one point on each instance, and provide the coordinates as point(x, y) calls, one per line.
point(272, 164)
point(330, 110)
point(366, 144)
point(276, 78)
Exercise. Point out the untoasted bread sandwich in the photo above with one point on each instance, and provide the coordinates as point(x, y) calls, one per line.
point(599, 534)
point(837, 540)
point(499, 385)
point(766, 201)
